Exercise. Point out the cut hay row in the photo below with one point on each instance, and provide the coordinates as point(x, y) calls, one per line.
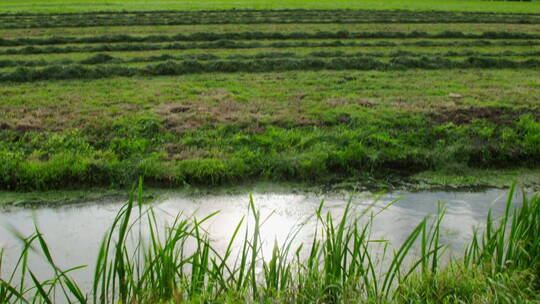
point(138, 31)
point(209, 36)
point(103, 58)
point(232, 44)
point(255, 17)
point(259, 65)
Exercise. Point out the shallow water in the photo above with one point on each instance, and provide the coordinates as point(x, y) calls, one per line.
point(74, 232)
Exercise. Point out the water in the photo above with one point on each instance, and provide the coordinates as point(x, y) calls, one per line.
point(74, 232)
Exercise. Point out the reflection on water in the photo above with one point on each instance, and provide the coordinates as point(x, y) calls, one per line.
point(74, 232)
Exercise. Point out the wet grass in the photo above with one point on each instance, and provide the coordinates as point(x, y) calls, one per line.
point(476, 178)
point(342, 264)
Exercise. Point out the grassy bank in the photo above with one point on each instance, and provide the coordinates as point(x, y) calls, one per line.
point(304, 126)
point(342, 264)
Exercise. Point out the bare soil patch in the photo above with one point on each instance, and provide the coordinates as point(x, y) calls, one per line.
point(460, 116)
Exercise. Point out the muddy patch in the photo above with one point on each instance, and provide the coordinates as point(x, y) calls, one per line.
point(460, 116)
point(46, 118)
point(252, 115)
point(363, 102)
point(28, 124)
point(183, 117)
point(177, 152)
point(5, 126)
point(217, 94)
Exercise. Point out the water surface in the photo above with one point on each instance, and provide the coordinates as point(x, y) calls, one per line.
point(73, 232)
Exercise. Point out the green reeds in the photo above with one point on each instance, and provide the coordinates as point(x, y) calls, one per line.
point(512, 243)
point(342, 264)
point(15, 289)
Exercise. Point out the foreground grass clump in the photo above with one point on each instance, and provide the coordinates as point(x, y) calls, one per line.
point(179, 264)
point(501, 265)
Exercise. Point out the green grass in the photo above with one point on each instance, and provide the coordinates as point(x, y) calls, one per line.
point(292, 126)
point(341, 264)
point(61, 6)
point(395, 110)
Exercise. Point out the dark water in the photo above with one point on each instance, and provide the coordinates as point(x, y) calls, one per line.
point(74, 232)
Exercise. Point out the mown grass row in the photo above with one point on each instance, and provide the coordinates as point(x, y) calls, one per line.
point(209, 36)
point(256, 17)
point(231, 44)
point(342, 264)
point(260, 65)
point(281, 28)
point(103, 58)
point(268, 12)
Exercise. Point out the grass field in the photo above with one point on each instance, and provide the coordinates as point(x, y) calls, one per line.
point(61, 6)
point(209, 98)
